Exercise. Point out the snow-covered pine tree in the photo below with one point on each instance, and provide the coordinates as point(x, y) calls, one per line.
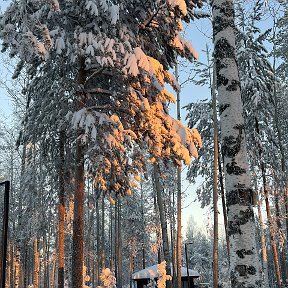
point(120, 61)
point(281, 41)
point(200, 116)
point(244, 262)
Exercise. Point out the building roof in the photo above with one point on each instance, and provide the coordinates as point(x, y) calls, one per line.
point(151, 273)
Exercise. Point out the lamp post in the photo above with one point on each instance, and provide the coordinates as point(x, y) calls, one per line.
point(4, 233)
point(186, 255)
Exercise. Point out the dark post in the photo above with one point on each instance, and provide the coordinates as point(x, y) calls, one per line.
point(4, 233)
point(186, 256)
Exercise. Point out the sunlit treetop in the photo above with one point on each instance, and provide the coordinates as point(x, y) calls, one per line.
point(127, 48)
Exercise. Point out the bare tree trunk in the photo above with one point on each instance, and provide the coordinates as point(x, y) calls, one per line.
point(45, 263)
point(103, 234)
point(111, 236)
point(268, 210)
point(97, 243)
point(163, 222)
point(8, 279)
point(215, 186)
point(61, 211)
point(53, 271)
point(179, 202)
point(263, 246)
point(12, 278)
point(282, 250)
point(172, 236)
point(130, 268)
point(244, 262)
point(36, 263)
point(116, 239)
point(119, 247)
point(272, 235)
point(143, 218)
point(78, 221)
point(224, 208)
point(17, 268)
point(179, 230)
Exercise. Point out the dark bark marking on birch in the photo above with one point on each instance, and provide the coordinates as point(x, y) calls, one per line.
point(232, 145)
point(232, 168)
point(234, 86)
point(241, 253)
point(243, 270)
point(240, 196)
point(223, 50)
point(223, 107)
point(234, 225)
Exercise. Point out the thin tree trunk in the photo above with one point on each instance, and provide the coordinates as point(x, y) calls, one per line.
point(179, 202)
point(172, 236)
point(103, 235)
point(8, 279)
point(111, 236)
point(224, 208)
point(263, 246)
point(36, 264)
point(179, 230)
point(12, 279)
point(17, 268)
point(244, 262)
point(215, 186)
point(61, 211)
point(272, 233)
point(119, 247)
point(163, 222)
point(142, 214)
point(130, 268)
point(45, 263)
point(116, 238)
point(97, 243)
point(78, 221)
point(53, 271)
point(282, 249)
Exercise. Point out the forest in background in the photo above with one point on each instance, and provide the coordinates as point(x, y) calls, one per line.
point(102, 102)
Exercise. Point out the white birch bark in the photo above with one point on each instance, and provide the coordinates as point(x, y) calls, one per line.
point(244, 260)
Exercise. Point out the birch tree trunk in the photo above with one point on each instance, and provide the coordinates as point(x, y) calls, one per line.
point(244, 262)
point(78, 221)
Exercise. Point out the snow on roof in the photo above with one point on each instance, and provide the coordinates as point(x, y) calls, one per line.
point(151, 273)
